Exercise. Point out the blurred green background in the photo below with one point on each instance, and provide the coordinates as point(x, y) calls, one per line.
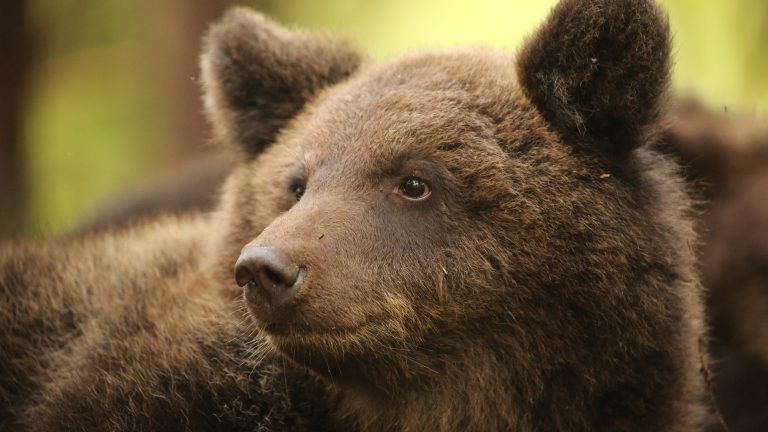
point(108, 95)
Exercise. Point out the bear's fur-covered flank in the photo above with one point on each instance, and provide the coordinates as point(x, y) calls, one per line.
point(120, 332)
point(726, 156)
point(441, 242)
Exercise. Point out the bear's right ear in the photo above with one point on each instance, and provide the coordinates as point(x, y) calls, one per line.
point(598, 71)
point(257, 75)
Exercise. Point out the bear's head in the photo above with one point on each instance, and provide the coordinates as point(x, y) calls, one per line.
point(463, 222)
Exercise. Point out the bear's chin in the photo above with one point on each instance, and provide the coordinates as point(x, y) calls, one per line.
point(323, 354)
point(334, 351)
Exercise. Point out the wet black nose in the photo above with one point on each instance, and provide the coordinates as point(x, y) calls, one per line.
point(267, 275)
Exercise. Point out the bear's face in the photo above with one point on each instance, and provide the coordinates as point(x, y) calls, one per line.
point(397, 236)
point(450, 200)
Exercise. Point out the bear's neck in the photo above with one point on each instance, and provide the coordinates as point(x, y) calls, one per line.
point(473, 392)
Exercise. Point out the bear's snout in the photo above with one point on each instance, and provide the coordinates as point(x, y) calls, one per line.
point(268, 276)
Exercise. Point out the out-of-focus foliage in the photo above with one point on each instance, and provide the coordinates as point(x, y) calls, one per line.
point(99, 115)
point(95, 121)
point(721, 51)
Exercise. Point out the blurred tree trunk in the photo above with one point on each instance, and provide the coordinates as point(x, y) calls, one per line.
point(187, 126)
point(14, 62)
point(187, 129)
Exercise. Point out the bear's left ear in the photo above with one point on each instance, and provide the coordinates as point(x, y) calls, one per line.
point(257, 75)
point(598, 71)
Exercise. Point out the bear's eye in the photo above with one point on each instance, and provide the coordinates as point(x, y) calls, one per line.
point(414, 189)
point(298, 190)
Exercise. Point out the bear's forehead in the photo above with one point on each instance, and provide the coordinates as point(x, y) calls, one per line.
point(409, 107)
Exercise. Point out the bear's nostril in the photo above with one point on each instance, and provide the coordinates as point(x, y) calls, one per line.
point(274, 278)
point(267, 275)
point(243, 274)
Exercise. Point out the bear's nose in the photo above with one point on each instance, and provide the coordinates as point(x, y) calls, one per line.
point(267, 275)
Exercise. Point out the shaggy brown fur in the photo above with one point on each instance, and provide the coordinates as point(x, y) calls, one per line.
point(735, 264)
point(120, 332)
point(726, 158)
point(597, 70)
point(547, 283)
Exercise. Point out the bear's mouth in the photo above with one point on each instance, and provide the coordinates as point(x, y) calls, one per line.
point(292, 330)
point(316, 347)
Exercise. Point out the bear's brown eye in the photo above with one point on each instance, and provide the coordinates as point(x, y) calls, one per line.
point(298, 190)
point(414, 189)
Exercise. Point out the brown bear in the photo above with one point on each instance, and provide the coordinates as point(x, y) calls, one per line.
point(724, 157)
point(454, 240)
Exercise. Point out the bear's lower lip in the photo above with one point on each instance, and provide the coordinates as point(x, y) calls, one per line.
point(290, 331)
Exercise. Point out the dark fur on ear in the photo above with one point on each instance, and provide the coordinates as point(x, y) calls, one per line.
point(598, 71)
point(257, 75)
